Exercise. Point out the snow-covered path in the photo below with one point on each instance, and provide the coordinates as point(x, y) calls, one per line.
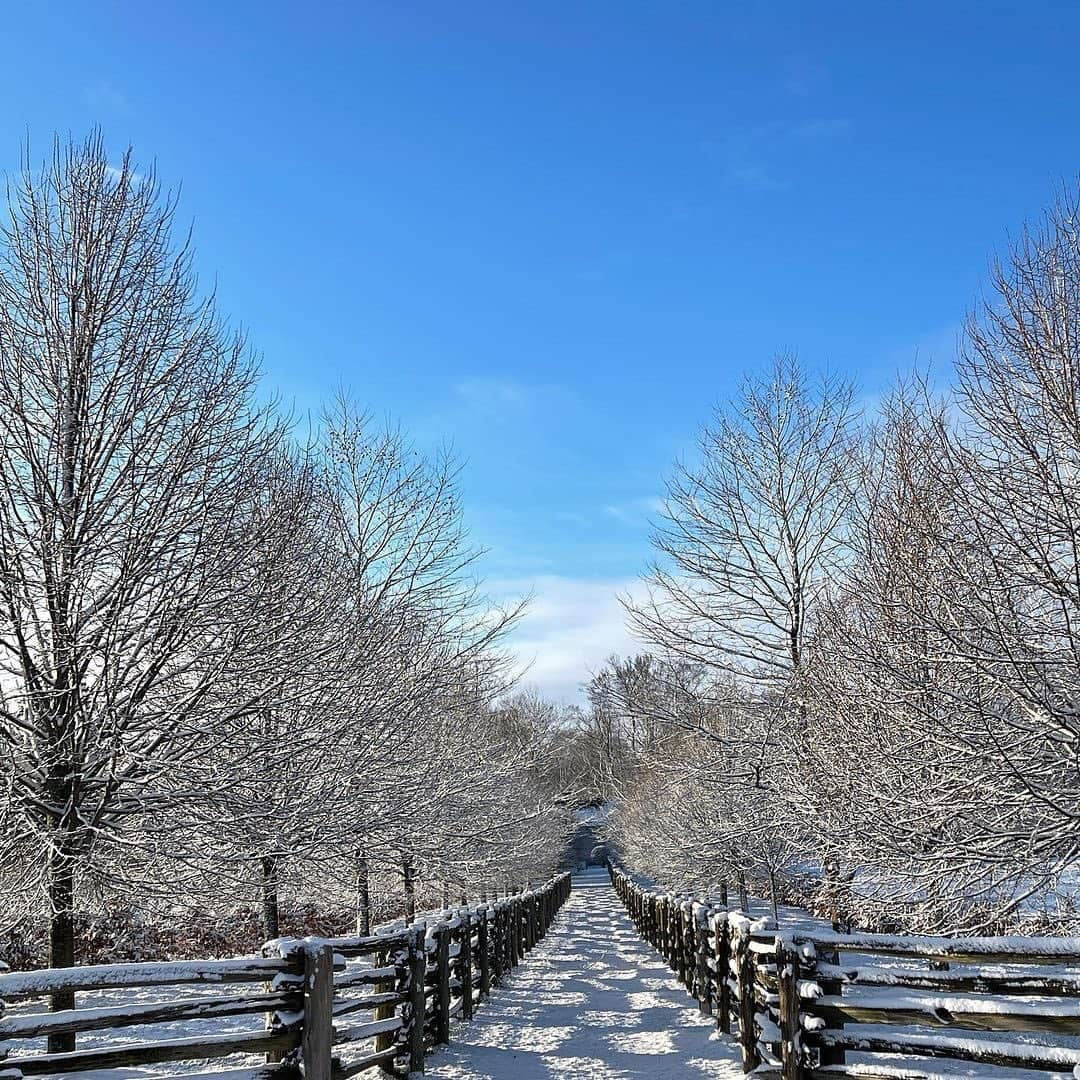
point(591, 1000)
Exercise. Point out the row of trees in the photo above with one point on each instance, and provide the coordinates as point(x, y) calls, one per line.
point(233, 663)
point(865, 632)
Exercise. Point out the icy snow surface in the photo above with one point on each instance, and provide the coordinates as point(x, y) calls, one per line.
point(591, 1000)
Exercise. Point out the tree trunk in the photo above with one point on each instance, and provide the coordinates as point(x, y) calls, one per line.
point(744, 901)
point(62, 936)
point(831, 869)
point(363, 895)
point(410, 889)
point(271, 923)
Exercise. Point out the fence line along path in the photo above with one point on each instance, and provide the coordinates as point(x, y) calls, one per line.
point(593, 1001)
point(317, 1008)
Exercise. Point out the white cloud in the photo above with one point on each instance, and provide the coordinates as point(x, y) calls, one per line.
point(571, 627)
point(635, 512)
point(490, 394)
point(104, 95)
point(932, 353)
point(115, 174)
point(761, 157)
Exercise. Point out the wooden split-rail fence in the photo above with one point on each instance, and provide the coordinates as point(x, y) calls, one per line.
point(812, 1003)
point(331, 1007)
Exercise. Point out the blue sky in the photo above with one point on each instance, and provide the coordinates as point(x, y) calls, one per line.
point(554, 233)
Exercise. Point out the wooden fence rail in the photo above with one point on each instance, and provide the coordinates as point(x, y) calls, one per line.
point(330, 1008)
point(815, 1004)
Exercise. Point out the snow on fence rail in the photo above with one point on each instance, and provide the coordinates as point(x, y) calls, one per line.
point(331, 1007)
point(822, 1004)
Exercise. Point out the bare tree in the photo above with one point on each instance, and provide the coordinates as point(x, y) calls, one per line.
point(130, 443)
point(752, 530)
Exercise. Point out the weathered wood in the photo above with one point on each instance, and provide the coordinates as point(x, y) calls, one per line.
point(18, 985)
point(483, 946)
point(379, 1029)
point(30, 1025)
point(747, 1031)
point(366, 1003)
point(387, 1010)
point(787, 971)
point(1009, 1055)
point(824, 959)
point(318, 1030)
point(937, 1013)
point(706, 986)
point(367, 977)
point(723, 975)
point(371, 1061)
point(689, 947)
point(206, 1046)
point(975, 980)
point(442, 985)
point(283, 1071)
point(417, 1004)
point(303, 974)
point(515, 932)
point(465, 971)
point(989, 950)
point(354, 947)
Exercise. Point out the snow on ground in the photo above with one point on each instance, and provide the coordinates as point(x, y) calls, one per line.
point(591, 1000)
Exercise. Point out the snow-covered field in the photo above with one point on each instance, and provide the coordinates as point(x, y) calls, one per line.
point(591, 1000)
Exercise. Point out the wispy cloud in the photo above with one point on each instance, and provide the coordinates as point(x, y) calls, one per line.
point(635, 512)
point(498, 398)
point(759, 158)
point(572, 626)
point(115, 173)
point(104, 95)
point(934, 350)
point(490, 394)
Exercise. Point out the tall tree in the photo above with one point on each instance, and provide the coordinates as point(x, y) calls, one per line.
point(130, 443)
point(751, 531)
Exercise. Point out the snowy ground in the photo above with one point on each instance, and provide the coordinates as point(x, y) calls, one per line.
point(591, 1000)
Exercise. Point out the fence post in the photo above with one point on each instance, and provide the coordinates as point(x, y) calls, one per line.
point(661, 928)
point(687, 952)
point(417, 1001)
point(723, 973)
point(830, 1055)
point(465, 967)
point(384, 1012)
point(787, 975)
point(318, 1034)
point(483, 948)
point(498, 944)
point(442, 983)
point(705, 982)
point(515, 932)
point(676, 939)
point(747, 1033)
